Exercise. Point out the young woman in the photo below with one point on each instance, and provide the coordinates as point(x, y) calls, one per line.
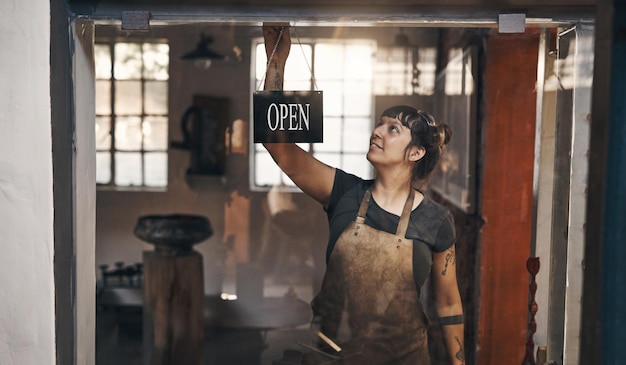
point(386, 238)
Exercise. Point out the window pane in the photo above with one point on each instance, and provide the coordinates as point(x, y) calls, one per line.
point(266, 172)
point(155, 134)
point(329, 61)
point(298, 66)
point(357, 98)
point(261, 62)
point(127, 61)
point(426, 65)
point(359, 61)
point(454, 69)
point(103, 97)
point(103, 133)
point(155, 97)
point(156, 61)
point(103, 167)
point(332, 136)
point(331, 159)
point(128, 168)
point(358, 165)
point(155, 164)
point(297, 85)
point(356, 135)
point(285, 180)
point(102, 57)
point(128, 133)
point(127, 97)
point(333, 97)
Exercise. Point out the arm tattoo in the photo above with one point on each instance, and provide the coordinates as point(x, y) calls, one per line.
point(278, 82)
point(449, 260)
point(461, 353)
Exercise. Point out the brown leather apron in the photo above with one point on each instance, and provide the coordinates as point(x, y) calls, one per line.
point(369, 303)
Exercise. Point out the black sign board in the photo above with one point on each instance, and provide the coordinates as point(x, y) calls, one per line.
point(288, 116)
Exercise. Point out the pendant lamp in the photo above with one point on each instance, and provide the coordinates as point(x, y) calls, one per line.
point(203, 56)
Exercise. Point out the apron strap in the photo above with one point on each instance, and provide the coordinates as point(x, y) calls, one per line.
point(406, 214)
point(365, 202)
point(404, 218)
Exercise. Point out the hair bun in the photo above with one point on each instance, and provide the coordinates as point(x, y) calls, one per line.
point(445, 133)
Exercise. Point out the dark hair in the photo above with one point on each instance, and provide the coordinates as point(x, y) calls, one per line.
point(426, 133)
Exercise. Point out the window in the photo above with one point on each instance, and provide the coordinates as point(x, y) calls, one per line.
point(398, 74)
point(343, 70)
point(131, 114)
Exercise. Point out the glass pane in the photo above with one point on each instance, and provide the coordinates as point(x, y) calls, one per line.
point(103, 167)
point(266, 172)
point(155, 134)
point(298, 66)
point(102, 57)
point(155, 97)
point(331, 159)
point(332, 136)
point(333, 97)
point(127, 61)
point(103, 133)
point(261, 62)
point(329, 61)
point(128, 133)
point(127, 97)
point(285, 180)
point(359, 61)
point(156, 61)
point(155, 165)
point(103, 97)
point(358, 165)
point(469, 79)
point(426, 65)
point(357, 98)
point(454, 69)
point(297, 85)
point(128, 168)
point(356, 134)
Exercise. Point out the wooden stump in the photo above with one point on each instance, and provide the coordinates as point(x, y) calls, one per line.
point(173, 318)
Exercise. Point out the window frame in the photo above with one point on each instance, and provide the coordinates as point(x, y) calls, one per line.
point(110, 42)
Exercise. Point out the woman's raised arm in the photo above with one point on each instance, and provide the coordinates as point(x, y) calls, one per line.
point(312, 176)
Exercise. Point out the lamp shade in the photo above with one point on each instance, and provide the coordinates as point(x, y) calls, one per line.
point(203, 52)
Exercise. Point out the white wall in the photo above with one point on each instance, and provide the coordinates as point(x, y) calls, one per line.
point(26, 210)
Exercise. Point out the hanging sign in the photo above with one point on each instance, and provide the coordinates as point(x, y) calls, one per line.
point(288, 116)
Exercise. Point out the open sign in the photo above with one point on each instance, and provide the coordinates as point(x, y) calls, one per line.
point(288, 116)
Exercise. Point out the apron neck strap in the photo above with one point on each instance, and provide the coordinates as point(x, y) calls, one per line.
point(406, 214)
point(404, 218)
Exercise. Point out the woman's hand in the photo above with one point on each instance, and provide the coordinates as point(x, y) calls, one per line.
point(272, 35)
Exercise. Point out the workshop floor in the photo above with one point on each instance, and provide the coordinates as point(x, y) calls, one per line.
point(120, 342)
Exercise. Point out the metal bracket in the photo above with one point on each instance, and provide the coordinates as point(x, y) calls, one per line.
point(136, 20)
point(511, 23)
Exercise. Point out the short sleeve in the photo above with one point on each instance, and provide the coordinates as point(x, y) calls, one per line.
point(446, 235)
point(343, 182)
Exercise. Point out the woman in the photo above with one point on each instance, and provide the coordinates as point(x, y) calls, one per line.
point(385, 239)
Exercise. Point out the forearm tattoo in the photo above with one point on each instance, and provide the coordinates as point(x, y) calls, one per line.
point(460, 355)
point(278, 79)
point(449, 260)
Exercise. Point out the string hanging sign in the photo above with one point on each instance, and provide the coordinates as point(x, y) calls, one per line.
point(287, 116)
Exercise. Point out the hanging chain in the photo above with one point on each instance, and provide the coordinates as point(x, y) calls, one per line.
point(269, 60)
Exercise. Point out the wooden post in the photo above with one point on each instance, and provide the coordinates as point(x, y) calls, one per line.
point(173, 319)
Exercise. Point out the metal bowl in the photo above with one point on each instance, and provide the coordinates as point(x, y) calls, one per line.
point(174, 231)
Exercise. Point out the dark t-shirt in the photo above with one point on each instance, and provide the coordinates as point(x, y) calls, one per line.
point(431, 225)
